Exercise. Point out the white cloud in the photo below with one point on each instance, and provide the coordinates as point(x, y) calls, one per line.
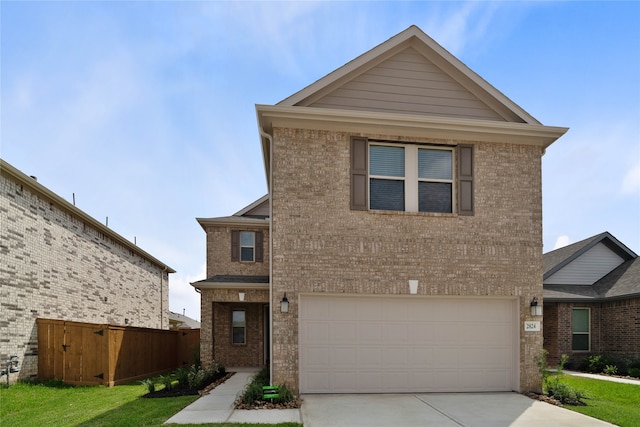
point(561, 242)
point(631, 181)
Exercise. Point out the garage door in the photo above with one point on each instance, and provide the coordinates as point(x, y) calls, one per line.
point(375, 344)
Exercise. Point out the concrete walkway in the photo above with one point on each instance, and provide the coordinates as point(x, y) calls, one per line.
point(352, 410)
point(218, 406)
point(603, 377)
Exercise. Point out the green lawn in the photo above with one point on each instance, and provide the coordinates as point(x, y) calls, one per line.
point(608, 401)
point(27, 405)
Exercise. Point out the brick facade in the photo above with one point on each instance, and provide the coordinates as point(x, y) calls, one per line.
point(216, 304)
point(320, 245)
point(614, 330)
point(54, 263)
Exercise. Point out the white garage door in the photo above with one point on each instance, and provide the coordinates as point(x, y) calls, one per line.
point(375, 344)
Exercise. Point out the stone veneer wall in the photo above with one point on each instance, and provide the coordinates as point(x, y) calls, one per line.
point(320, 245)
point(54, 265)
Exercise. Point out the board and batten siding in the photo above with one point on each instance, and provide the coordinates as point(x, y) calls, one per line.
point(587, 269)
point(408, 83)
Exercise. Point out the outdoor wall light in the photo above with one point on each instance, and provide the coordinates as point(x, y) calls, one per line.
point(241, 296)
point(284, 304)
point(536, 310)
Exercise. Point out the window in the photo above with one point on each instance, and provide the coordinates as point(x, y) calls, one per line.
point(411, 177)
point(246, 246)
point(580, 329)
point(238, 327)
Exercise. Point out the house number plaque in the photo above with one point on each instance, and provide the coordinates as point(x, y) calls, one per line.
point(532, 326)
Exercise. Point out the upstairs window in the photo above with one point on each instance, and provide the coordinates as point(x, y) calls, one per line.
point(411, 177)
point(246, 246)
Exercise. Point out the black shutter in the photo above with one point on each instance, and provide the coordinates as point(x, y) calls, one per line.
point(359, 166)
point(235, 245)
point(465, 180)
point(259, 248)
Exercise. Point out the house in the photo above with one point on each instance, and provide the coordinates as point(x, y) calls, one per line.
point(180, 321)
point(57, 262)
point(399, 248)
point(592, 300)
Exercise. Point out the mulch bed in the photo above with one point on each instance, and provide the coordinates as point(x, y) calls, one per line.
point(261, 404)
point(176, 392)
point(544, 398)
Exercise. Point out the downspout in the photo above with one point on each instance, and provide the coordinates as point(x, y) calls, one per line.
point(269, 138)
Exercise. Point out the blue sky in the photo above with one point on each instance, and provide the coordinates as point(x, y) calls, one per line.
point(146, 110)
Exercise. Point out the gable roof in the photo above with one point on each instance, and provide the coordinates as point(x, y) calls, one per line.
point(408, 86)
point(411, 57)
point(557, 259)
point(255, 214)
point(621, 282)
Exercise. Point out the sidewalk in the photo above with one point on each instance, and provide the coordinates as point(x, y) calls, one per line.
point(603, 377)
point(218, 406)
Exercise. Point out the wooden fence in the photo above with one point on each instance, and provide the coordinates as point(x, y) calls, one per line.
point(90, 354)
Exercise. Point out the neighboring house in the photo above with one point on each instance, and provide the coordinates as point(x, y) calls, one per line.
point(57, 262)
point(401, 169)
point(180, 321)
point(592, 300)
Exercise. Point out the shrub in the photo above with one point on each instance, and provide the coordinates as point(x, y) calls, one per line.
point(634, 372)
point(610, 369)
point(182, 376)
point(286, 395)
point(253, 392)
point(167, 381)
point(552, 385)
point(595, 363)
point(149, 384)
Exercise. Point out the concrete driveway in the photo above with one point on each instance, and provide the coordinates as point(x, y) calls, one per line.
point(437, 409)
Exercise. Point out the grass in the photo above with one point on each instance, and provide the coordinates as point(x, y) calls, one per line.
point(54, 403)
point(609, 401)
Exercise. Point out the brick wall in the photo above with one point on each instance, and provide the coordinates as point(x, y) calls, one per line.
point(54, 265)
point(219, 253)
point(320, 245)
point(216, 306)
point(615, 330)
point(620, 328)
point(219, 262)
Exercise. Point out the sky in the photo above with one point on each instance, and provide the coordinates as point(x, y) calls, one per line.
point(145, 111)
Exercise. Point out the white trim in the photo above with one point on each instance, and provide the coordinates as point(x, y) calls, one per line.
point(252, 205)
point(229, 285)
point(406, 125)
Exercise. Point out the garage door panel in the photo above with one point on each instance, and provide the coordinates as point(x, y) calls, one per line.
point(399, 344)
point(395, 333)
point(369, 357)
point(343, 333)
